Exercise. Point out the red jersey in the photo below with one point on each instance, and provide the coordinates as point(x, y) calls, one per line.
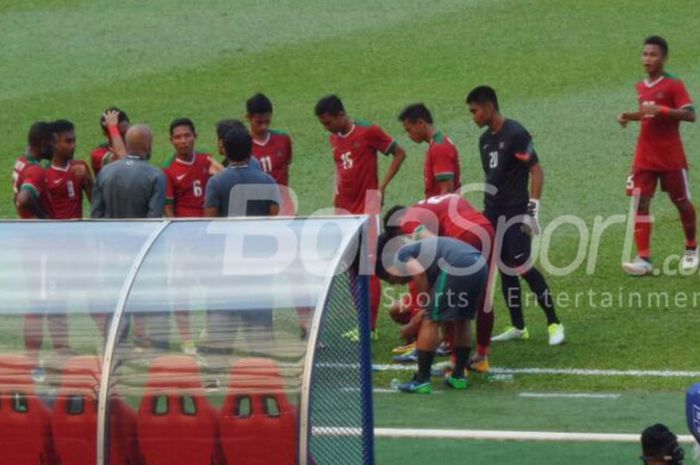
point(448, 215)
point(28, 174)
point(100, 157)
point(441, 164)
point(66, 190)
point(186, 183)
point(659, 147)
point(355, 155)
point(275, 155)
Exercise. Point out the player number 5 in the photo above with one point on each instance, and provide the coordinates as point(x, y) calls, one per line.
point(197, 188)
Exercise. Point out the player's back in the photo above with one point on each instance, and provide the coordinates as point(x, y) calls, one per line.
point(128, 186)
point(29, 174)
point(99, 157)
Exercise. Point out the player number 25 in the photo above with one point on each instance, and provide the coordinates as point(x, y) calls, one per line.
point(493, 159)
point(346, 158)
point(197, 188)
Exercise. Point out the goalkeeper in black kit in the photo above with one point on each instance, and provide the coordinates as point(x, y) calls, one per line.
point(509, 158)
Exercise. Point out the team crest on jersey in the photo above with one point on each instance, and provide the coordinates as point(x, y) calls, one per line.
point(279, 153)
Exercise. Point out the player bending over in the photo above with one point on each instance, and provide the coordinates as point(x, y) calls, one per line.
point(663, 103)
point(452, 216)
point(508, 158)
point(450, 278)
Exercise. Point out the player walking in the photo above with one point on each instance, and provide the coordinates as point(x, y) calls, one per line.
point(355, 144)
point(508, 158)
point(441, 169)
point(663, 103)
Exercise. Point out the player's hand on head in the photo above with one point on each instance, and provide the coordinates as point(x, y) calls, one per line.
point(111, 118)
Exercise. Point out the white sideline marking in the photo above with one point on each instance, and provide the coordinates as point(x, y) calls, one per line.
point(381, 390)
point(560, 371)
point(564, 395)
point(547, 436)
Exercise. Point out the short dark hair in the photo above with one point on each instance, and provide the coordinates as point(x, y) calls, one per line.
point(237, 144)
point(225, 125)
point(182, 122)
point(659, 443)
point(659, 42)
point(415, 112)
point(39, 133)
point(393, 230)
point(120, 119)
point(258, 104)
point(329, 105)
point(483, 94)
point(62, 126)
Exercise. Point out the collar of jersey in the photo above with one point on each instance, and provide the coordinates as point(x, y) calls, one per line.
point(188, 163)
point(267, 139)
point(348, 133)
point(58, 168)
point(652, 84)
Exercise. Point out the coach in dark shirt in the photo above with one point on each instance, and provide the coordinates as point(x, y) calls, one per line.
point(131, 187)
point(240, 189)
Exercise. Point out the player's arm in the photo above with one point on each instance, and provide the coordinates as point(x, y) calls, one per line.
point(169, 210)
point(398, 156)
point(28, 199)
point(215, 167)
point(536, 181)
point(83, 171)
point(686, 113)
point(626, 117)
point(115, 137)
point(156, 203)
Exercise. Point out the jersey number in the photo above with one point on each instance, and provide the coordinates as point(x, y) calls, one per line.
point(346, 159)
point(71, 189)
point(197, 188)
point(266, 163)
point(493, 159)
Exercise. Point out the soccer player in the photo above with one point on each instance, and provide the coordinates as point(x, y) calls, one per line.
point(114, 123)
point(663, 103)
point(187, 172)
point(441, 169)
point(508, 158)
point(222, 127)
point(355, 144)
point(272, 148)
point(452, 216)
point(67, 179)
point(451, 275)
point(31, 196)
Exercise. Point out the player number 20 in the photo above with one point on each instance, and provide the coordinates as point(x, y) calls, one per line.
point(493, 159)
point(346, 159)
point(197, 188)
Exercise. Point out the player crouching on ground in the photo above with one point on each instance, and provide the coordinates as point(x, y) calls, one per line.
point(450, 277)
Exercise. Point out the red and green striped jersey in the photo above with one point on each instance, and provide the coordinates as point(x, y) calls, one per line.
point(28, 174)
point(65, 188)
point(441, 164)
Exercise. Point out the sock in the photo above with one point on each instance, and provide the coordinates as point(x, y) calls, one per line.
point(688, 221)
point(462, 355)
point(544, 297)
point(511, 292)
point(425, 363)
point(484, 328)
point(642, 236)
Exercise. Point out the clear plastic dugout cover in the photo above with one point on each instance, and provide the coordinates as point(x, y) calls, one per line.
point(185, 342)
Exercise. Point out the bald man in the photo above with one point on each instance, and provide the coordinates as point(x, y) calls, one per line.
point(131, 187)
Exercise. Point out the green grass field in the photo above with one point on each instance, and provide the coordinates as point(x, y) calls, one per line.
point(563, 69)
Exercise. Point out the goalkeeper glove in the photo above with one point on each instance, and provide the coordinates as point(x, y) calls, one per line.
point(532, 226)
